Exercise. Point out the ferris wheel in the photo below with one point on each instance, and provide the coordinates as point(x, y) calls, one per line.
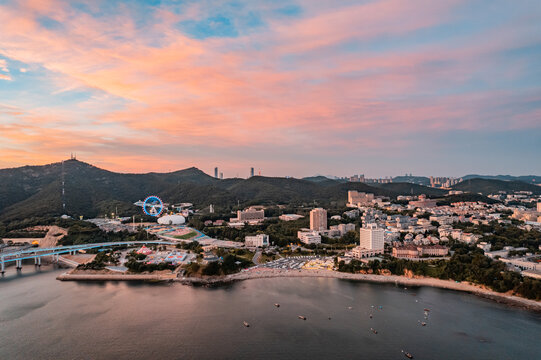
point(153, 206)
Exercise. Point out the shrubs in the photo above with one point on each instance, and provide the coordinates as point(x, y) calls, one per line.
point(138, 267)
point(464, 265)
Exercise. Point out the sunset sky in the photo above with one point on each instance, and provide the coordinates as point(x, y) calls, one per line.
point(429, 87)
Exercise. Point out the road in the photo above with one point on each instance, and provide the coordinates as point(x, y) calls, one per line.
point(256, 257)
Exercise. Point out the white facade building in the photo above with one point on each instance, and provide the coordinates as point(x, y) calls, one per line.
point(260, 240)
point(372, 238)
point(172, 220)
point(371, 242)
point(318, 219)
point(356, 198)
point(309, 237)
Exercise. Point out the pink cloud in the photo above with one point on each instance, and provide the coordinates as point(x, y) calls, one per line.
point(238, 93)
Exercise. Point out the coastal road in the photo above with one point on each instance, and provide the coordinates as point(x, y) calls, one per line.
point(256, 257)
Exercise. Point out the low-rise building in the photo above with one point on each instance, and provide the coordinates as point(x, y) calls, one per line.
point(250, 215)
point(290, 217)
point(416, 251)
point(343, 228)
point(260, 240)
point(210, 257)
point(309, 237)
point(423, 202)
point(483, 245)
point(359, 252)
point(208, 248)
point(356, 198)
point(352, 214)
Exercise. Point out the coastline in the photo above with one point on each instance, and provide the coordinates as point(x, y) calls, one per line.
point(502, 298)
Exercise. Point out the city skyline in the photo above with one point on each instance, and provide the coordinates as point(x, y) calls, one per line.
point(351, 176)
point(294, 88)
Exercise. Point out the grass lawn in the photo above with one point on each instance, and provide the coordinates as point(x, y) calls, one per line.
point(189, 235)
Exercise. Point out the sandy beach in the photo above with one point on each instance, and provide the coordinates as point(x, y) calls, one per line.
point(394, 279)
point(260, 273)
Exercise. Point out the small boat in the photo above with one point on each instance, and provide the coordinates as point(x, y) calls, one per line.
point(407, 354)
point(246, 324)
point(427, 310)
point(423, 323)
point(329, 318)
point(277, 305)
point(349, 308)
point(370, 316)
point(302, 317)
point(374, 330)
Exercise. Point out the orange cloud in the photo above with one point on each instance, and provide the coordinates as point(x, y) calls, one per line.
point(292, 85)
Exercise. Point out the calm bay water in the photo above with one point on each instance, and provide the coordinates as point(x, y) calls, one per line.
point(48, 319)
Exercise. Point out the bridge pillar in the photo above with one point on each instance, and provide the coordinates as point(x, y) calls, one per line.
point(19, 264)
point(3, 266)
point(39, 261)
point(35, 260)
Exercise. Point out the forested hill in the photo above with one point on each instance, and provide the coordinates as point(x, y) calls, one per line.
point(36, 191)
point(530, 179)
point(493, 186)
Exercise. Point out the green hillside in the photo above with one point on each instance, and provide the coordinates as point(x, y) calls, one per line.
point(36, 191)
point(90, 191)
point(493, 186)
point(466, 197)
point(411, 189)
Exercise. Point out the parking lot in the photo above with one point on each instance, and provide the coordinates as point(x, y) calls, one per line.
point(290, 263)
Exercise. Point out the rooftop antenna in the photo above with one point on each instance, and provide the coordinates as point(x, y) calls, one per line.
point(63, 190)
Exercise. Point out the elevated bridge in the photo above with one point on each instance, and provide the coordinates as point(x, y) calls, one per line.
point(37, 253)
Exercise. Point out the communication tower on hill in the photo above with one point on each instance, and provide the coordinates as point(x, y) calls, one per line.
point(63, 190)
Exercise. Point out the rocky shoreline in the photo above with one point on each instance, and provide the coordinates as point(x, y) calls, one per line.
point(502, 298)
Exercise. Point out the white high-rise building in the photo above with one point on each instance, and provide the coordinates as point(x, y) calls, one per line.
point(371, 242)
point(371, 238)
point(318, 219)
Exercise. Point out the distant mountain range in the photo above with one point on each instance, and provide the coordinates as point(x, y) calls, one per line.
point(531, 179)
point(493, 186)
point(36, 191)
point(425, 180)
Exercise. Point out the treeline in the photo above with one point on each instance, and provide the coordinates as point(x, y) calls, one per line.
point(230, 264)
point(504, 235)
point(280, 233)
point(465, 265)
point(17, 225)
point(140, 266)
point(25, 234)
point(87, 233)
point(100, 261)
